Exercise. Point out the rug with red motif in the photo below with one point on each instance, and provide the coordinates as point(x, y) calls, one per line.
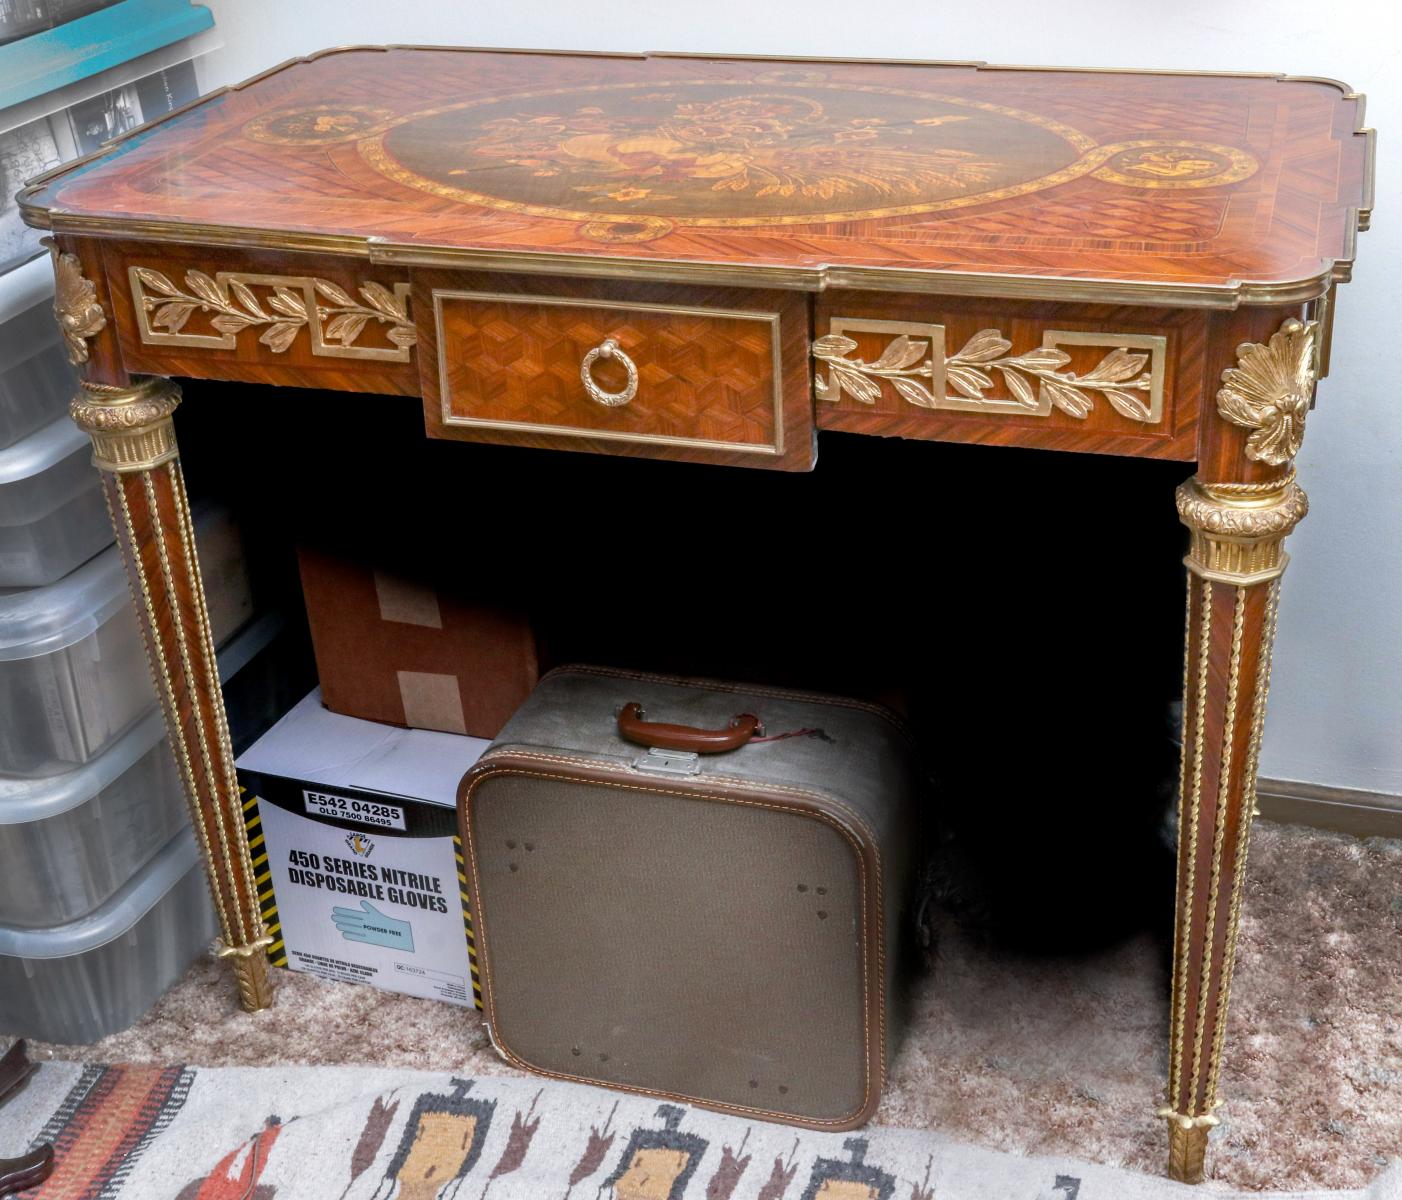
point(341, 1133)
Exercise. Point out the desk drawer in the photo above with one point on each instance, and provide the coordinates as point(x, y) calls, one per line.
point(707, 375)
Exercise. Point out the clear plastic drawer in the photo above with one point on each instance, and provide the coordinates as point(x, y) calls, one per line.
point(73, 673)
point(97, 975)
point(52, 513)
point(68, 842)
point(36, 381)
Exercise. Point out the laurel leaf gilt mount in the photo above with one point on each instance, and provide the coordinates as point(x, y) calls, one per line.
point(915, 365)
point(282, 306)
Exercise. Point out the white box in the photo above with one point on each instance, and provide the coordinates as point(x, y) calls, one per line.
point(353, 830)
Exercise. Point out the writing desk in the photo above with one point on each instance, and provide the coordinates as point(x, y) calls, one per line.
point(712, 260)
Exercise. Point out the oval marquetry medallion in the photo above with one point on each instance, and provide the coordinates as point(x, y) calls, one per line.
point(624, 156)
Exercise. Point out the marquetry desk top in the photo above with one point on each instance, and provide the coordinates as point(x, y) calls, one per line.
point(1211, 190)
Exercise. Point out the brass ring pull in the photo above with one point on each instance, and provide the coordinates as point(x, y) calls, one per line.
point(608, 348)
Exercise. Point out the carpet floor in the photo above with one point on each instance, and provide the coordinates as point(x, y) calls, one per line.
point(1044, 1056)
point(367, 1133)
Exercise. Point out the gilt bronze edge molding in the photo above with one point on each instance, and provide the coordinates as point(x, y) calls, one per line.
point(974, 64)
point(898, 280)
point(1363, 214)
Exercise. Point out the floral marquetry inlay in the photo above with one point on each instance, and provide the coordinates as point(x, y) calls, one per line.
point(281, 306)
point(634, 162)
point(1128, 377)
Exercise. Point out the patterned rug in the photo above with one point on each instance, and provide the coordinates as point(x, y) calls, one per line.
point(330, 1133)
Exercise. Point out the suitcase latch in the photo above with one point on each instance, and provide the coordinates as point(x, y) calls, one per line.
point(669, 762)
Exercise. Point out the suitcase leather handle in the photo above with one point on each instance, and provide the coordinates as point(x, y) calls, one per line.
point(631, 726)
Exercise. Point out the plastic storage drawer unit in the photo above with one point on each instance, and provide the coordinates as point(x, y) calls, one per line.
point(68, 842)
point(73, 672)
point(52, 513)
point(36, 381)
point(82, 980)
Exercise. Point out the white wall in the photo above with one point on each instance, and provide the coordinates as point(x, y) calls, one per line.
point(1336, 711)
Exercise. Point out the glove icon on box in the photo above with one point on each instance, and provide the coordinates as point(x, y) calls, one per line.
point(369, 925)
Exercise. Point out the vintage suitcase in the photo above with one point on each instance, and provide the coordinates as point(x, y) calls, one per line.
point(694, 890)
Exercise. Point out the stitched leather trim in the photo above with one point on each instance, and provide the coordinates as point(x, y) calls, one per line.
point(796, 801)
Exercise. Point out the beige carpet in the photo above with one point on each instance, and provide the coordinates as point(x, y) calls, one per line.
point(1037, 1057)
point(367, 1133)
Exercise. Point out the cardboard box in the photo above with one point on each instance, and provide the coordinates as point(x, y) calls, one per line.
point(430, 653)
point(353, 830)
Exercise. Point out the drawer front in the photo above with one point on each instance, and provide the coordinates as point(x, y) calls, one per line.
point(711, 375)
point(1064, 377)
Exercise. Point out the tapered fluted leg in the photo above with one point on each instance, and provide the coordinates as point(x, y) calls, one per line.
point(1233, 590)
point(1239, 510)
point(134, 446)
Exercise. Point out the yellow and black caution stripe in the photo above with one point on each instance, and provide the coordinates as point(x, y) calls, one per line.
point(263, 878)
point(467, 922)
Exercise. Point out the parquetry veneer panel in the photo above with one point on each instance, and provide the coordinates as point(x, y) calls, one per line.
point(720, 374)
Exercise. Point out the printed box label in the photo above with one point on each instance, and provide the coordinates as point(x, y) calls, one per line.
point(367, 812)
point(381, 908)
